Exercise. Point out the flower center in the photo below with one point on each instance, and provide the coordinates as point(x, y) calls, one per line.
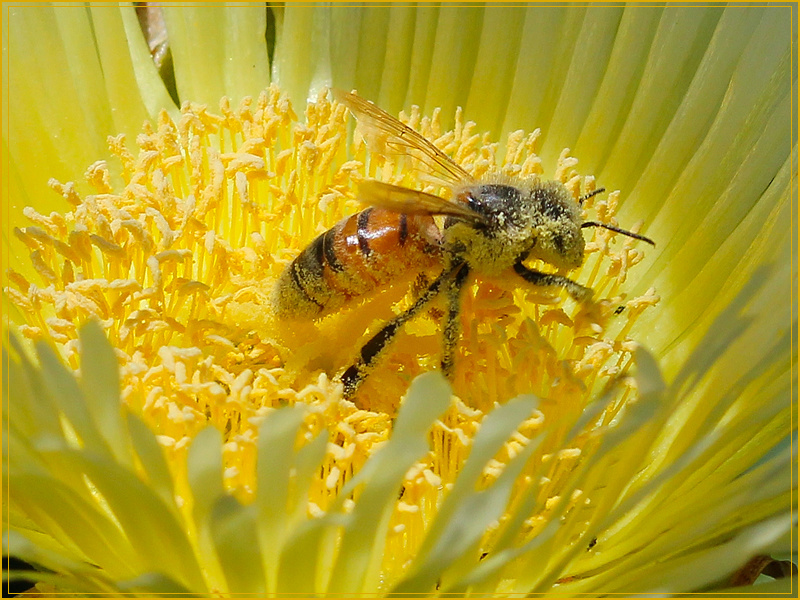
point(179, 257)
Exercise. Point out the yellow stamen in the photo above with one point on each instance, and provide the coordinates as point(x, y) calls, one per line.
point(178, 260)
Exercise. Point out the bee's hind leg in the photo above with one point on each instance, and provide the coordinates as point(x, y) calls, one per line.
point(354, 376)
point(576, 290)
point(452, 325)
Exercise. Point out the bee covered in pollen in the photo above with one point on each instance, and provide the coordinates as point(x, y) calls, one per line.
point(490, 228)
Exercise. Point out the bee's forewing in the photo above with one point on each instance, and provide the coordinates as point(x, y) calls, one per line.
point(413, 202)
point(386, 135)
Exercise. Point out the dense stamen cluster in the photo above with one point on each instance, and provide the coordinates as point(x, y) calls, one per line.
point(177, 261)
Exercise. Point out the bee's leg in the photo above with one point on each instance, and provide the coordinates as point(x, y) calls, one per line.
point(355, 374)
point(576, 290)
point(452, 325)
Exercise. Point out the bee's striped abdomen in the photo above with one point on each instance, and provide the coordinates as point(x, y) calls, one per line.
point(360, 254)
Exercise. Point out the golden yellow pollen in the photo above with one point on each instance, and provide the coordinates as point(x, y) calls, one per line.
point(178, 257)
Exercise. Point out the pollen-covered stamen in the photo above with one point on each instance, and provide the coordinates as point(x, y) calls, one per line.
point(178, 259)
point(171, 258)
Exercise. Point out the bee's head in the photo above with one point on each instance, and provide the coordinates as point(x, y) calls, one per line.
point(541, 221)
point(557, 226)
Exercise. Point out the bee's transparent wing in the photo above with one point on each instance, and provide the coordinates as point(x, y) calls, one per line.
point(412, 202)
point(386, 135)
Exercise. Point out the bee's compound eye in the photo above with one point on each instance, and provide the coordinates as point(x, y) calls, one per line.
point(558, 242)
point(552, 202)
point(552, 209)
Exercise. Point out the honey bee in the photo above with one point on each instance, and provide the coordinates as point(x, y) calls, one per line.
point(490, 228)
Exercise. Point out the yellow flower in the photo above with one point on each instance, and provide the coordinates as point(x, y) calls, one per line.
point(562, 464)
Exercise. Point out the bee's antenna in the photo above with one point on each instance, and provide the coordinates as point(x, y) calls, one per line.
point(590, 194)
point(618, 230)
